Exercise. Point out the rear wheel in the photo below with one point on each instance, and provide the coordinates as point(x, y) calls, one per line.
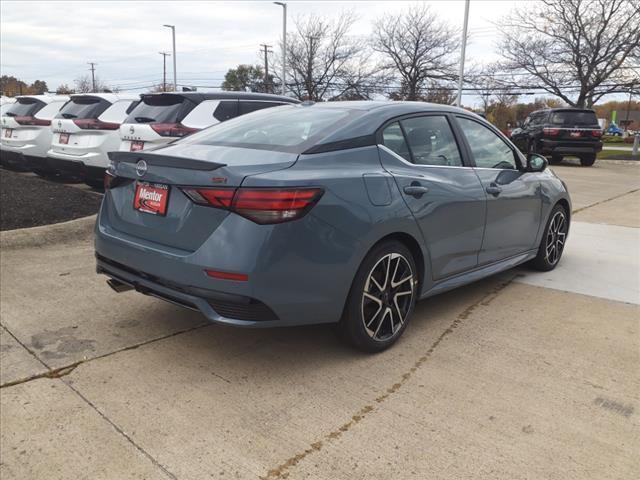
point(382, 298)
point(587, 160)
point(553, 240)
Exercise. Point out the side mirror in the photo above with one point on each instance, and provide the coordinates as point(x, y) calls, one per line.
point(536, 163)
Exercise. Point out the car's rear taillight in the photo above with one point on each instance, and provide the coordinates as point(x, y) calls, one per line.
point(29, 120)
point(551, 132)
point(95, 124)
point(172, 129)
point(261, 205)
point(596, 133)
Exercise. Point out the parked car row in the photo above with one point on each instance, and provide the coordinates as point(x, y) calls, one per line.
point(72, 135)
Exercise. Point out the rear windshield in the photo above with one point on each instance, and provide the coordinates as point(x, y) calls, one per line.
point(573, 118)
point(24, 107)
point(84, 107)
point(160, 109)
point(288, 129)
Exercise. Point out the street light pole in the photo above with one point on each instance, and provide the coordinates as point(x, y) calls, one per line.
point(284, 45)
point(464, 46)
point(175, 75)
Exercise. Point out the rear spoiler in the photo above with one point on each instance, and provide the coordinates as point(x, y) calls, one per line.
point(159, 160)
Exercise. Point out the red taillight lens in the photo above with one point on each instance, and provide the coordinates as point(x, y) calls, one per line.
point(238, 277)
point(172, 129)
point(109, 179)
point(551, 132)
point(29, 120)
point(261, 205)
point(213, 197)
point(596, 133)
point(95, 124)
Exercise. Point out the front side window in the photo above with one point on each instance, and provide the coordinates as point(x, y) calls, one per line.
point(393, 139)
point(488, 149)
point(431, 141)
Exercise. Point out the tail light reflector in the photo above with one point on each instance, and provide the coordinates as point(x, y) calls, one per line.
point(551, 132)
point(238, 277)
point(261, 205)
point(29, 120)
point(95, 124)
point(596, 133)
point(172, 129)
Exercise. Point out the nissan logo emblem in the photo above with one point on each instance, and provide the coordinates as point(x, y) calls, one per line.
point(141, 168)
point(59, 124)
point(131, 129)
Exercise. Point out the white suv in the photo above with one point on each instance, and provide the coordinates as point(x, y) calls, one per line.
point(26, 132)
point(160, 118)
point(84, 131)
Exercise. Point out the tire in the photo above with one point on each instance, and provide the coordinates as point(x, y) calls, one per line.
point(555, 159)
point(377, 311)
point(553, 240)
point(587, 160)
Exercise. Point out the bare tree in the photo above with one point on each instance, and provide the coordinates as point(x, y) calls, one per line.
point(85, 85)
point(577, 50)
point(417, 47)
point(325, 63)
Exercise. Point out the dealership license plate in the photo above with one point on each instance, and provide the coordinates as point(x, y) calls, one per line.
point(575, 134)
point(8, 132)
point(136, 146)
point(151, 198)
point(64, 138)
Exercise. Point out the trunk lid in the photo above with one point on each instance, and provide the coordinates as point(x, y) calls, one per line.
point(186, 225)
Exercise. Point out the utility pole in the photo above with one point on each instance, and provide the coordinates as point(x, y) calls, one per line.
point(284, 45)
point(164, 69)
point(93, 76)
point(175, 75)
point(464, 46)
point(266, 66)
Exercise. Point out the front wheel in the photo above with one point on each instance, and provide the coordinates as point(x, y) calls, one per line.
point(587, 160)
point(553, 240)
point(382, 298)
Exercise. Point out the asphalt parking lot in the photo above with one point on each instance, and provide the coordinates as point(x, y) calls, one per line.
point(523, 375)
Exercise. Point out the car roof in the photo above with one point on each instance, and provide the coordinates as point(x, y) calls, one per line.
point(110, 97)
point(372, 114)
point(562, 109)
point(45, 98)
point(202, 96)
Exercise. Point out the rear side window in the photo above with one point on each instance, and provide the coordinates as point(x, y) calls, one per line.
point(164, 108)
point(287, 129)
point(84, 107)
point(117, 112)
point(249, 106)
point(431, 141)
point(25, 107)
point(393, 139)
point(570, 118)
point(226, 109)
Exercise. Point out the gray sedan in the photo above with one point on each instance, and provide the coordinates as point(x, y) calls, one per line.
point(342, 212)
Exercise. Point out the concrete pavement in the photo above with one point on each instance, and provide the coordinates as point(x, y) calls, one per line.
point(523, 375)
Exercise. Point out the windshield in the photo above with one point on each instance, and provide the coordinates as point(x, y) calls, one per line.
point(83, 107)
point(573, 118)
point(24, 107)
point(160, 109)
point(288, 128)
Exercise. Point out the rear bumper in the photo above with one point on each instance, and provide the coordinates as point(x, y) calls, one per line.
point(287, 284)
point(559, 147)
point(19, 160)
point(96, 159)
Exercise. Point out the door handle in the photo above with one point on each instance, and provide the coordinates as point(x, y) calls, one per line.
point(494, 190)
point(415, 190)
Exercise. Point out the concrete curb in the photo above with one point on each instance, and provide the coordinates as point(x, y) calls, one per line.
point(80, 229)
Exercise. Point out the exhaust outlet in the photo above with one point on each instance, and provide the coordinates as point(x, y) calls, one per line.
point(118, 286)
